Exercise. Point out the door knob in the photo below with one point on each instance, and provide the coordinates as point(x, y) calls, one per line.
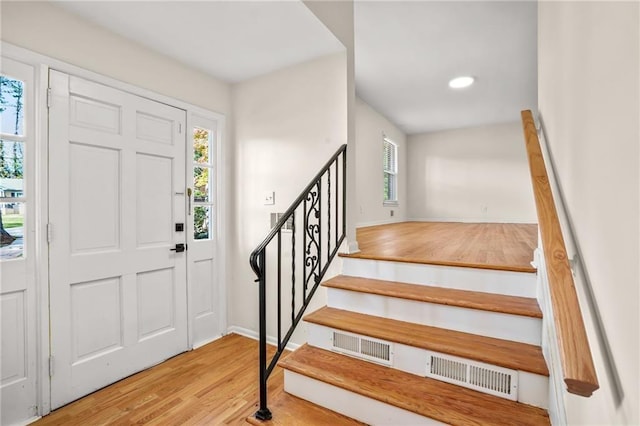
point(180, 247)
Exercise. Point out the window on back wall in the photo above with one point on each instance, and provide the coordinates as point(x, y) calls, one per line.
point(390, 170)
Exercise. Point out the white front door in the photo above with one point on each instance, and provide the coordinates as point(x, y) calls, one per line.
point(116, 191)
point(17, 244)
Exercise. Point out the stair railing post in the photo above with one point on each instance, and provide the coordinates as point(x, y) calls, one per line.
point(263, 413)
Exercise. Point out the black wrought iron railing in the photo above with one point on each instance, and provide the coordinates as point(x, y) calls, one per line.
point(300, 257)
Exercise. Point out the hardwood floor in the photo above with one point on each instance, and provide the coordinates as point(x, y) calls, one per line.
point(216, 384)
point(502, 246)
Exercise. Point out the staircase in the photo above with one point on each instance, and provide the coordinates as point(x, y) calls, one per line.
point(446, 344)
point(455, 338)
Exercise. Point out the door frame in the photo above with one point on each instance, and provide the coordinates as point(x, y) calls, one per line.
point(42, 64)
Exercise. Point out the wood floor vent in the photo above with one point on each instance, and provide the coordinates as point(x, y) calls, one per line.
point(479, 376)
point(366, 348)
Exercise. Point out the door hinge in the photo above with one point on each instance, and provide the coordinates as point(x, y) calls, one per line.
point(179, 127)
point(49, 97)
point(49, 233)
point(51, 359)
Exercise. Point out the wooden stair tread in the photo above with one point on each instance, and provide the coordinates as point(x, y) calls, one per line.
point(288, 410)
point(503, 353)
point(454, 263)
point(427, 397)
point(514, 305)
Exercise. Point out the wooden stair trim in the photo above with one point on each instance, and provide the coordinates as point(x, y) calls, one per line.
point(513, 305)
point(575, 353)
point(503, 353)
point(424, 396)
point(406, 259)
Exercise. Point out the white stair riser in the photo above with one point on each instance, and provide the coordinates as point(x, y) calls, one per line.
point(532, 388)
point(473, 279)
point(356, 406)
point(492, 324)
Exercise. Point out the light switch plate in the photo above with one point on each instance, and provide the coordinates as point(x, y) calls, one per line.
point(269, 198)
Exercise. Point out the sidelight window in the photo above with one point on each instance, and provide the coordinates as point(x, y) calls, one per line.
point(203, 185)
point(12, 164)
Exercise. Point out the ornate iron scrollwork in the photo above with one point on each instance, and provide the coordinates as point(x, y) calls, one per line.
point(311, 263)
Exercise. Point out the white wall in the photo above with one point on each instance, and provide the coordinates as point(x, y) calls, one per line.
point(478, 174)
point(287, 125)
point(45, 28)
point(370, 125)
point(337, 16)
point(589, 96)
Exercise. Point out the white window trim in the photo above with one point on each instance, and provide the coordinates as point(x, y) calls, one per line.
point(391, 203)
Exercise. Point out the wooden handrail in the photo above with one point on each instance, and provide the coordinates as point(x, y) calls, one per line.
point(575, 354)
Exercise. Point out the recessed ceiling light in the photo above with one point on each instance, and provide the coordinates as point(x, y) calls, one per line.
point(461, 82)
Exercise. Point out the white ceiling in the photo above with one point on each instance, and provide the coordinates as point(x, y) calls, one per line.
point(406, 53)
point(231, 40)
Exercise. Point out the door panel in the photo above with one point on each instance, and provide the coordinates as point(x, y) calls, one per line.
point(96, 318)
point(156, 299)
point(203, 300)
point(153, 195)
point(118, 292)
point(90, 168)
point(94, 115)
point(14, 337)
point(154, 129)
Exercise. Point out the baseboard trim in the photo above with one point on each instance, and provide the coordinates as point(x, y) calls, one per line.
point(30, 420)
point(379, 222)
point(470, 220)
point(206, 342)
point(251, 334)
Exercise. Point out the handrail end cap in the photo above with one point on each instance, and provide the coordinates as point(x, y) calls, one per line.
point(581, 388)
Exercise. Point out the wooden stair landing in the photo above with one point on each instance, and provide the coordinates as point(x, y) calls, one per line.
point(503, 353)
point(445, 296)
point(498, 246)
point(427, 397)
